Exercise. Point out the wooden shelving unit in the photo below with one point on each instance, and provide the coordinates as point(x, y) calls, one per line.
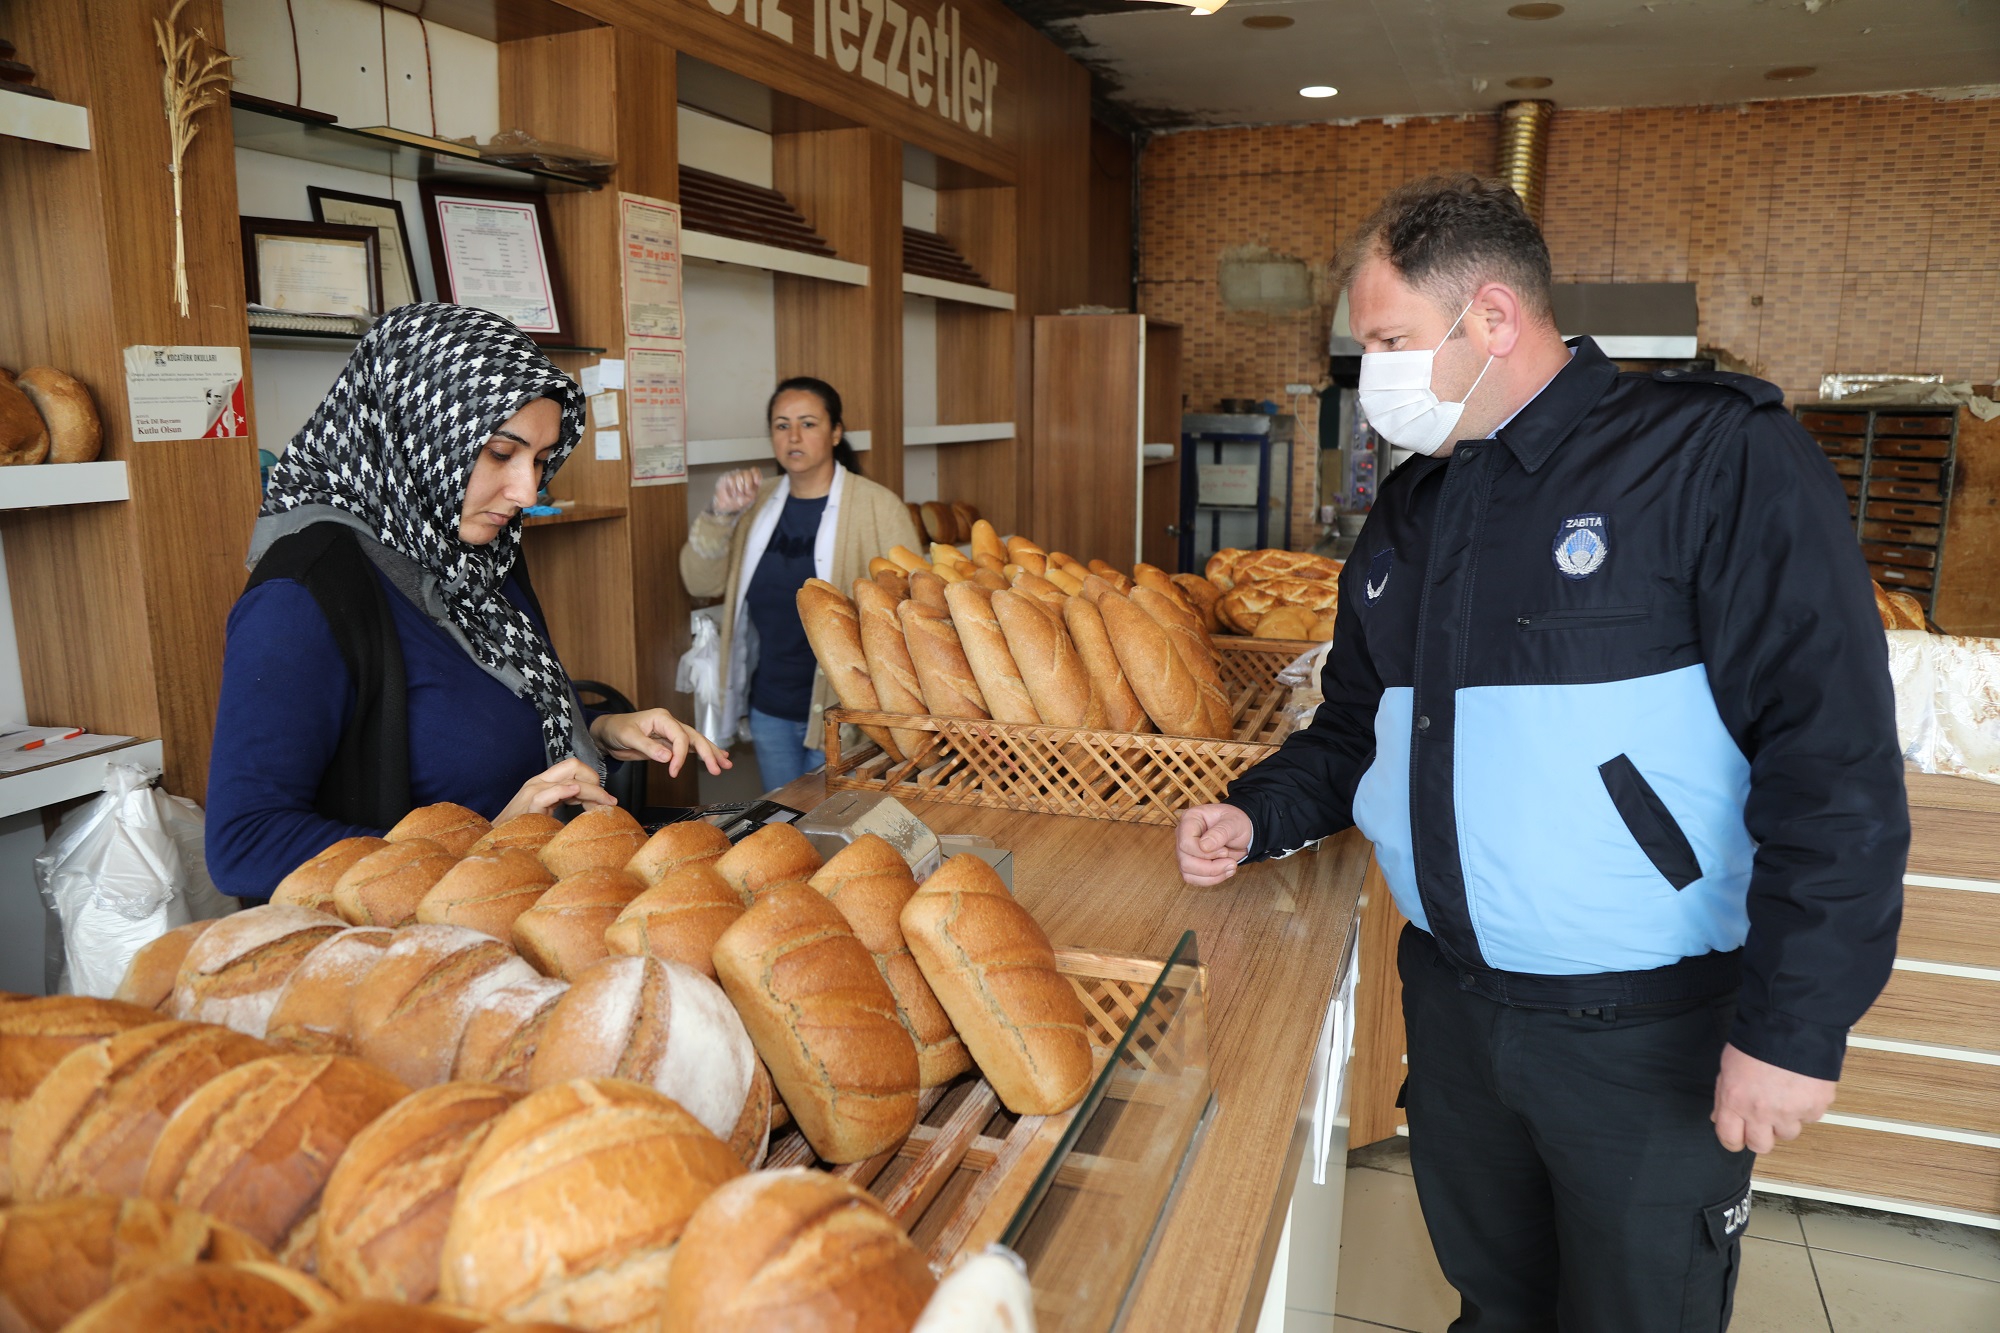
point(48, 484)
point(44, 120)
point(310, 341)
point(289, 132)
point(771, 258)
point(916, 284)
point(68, 779)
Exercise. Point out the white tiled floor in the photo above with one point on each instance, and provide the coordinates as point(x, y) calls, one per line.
point(1807, 1267)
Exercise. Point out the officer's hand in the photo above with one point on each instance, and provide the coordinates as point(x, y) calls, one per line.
point(1756, 1104)
point(1211, 839)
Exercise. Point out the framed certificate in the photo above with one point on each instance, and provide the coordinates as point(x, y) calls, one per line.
point(494, 249)
point(311, 268)
point(398, 262)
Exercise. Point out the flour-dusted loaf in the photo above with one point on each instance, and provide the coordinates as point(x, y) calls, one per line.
point(383, 1215)
point(486, 891)
point(571, 1208)
point(90, 1125)
point(943, 674)
point(413, 1008)
point(529, 832)
point(314, 1014)
point(35, 1035)
point(311, 885)
point(987, 653)
point(824, 1021)
point(234, 970)
point(248, 1297)
point(679, 919)
point(563, 933)
point(1055, 675)
point(795, 1249)
point(384, 887)
point(995, 973)
point(450, 826)
point(887, 654)
point(504, 1032)
point(253, 1147)
point(1122, 709)
point(833, 628)
point(1154, 669)
point(677, 845)
point(869, 881)
point(600, 838)
point(775, 854)
point(150, 976)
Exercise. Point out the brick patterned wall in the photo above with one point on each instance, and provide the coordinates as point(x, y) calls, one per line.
point(1824, 234)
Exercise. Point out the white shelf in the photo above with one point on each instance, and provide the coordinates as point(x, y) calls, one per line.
point(967, 434)
point(82, 776)
point(962, 292)
point(62, 483)
point(751, 449)
point(39, 118)
point(772, 258)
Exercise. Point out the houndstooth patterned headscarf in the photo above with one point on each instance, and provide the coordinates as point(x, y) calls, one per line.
point(392, 446)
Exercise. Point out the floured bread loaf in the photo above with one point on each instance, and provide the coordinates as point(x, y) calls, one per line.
point(679, 919)
point(150, 976)
point(311, 885)
point(411, 1011)
point(384, 887)
point(563, 933)
point(233, 972)
point(314, 1014)
point(487, 891)
point(35, 1035)
point(208, 1298)
point(504, 1031)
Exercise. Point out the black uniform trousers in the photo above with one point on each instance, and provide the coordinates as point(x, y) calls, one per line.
point(1568, 1172)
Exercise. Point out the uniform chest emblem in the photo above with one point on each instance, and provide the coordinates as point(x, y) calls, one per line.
point(1582, 545)
point(1378, 574)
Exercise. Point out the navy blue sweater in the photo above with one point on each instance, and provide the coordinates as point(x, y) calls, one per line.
point(286, 698)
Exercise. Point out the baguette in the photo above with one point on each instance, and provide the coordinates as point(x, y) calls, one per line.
point(775, 854)
point(1184, 631)
point(1055, 675)
point(941, 554)
point(452, 827)
point(1122, 709)
point(995, 974)
point(986, 541)
point(35, 1035)
point(563, 933)
point(149, 978)
point(909, 560)
point(311, 885)
point(412, 1010)
point(529, 832)
point(927, 589)
point(986, 652)
point(1066, 580)
point(1202, 596)
point(1048, 594)
point(384, 887)
point(1017, 545)
point(314, 1014)
point(602, 838)
point(233, 972)
point(679, 919)
point(943, 674)
point(1155, 670)
point(888, 657)
point(59, 1256)
point(486, 891)
point(1152, 576)
point(894, 582)
point(505, 1031)
point(989, 580)
point(834, 630)
point(878, 565)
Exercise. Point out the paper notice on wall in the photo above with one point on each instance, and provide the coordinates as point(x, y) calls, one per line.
point(185, 393)
point(656, 414)
point(650, 263)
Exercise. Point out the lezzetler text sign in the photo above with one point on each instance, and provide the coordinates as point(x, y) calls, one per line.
point(912, 54)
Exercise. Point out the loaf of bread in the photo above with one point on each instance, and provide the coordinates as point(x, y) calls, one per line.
point(24, 436)
point(1263, 566)
point(1202, 596)
point(58, 1256)
point(486, 891)
point(150, 976)
point(1155, 578)
point(384, 887)
point(234, 970)
point(1190, 640)
point(927, 589)
point(395, 1317)
point(995, 973)
point(529, 832)
point(1055, 675)
point(869, 881)
point(452, 827)
point(89, 1126)
point(939, 525)
point(385, 1208)
point(314, 1014)
point(986, 541)
point(967, 515)
point(1066, 578)
point(990, 580)
point(906, 559)
point(675, 847)
point(1122, 709)
point(311, 885)
point(888, 658)
point(553, 1222)
point(660, 1024)
point(1048, 594)
point(986, 652)
point(35, 1035)
point(895, 582)
point(1898, 609)
point(1242, 605)
point(412, 1010)
point(605, 837)
point(943, 674)
point(824, 1021)
point(1155, 670)
point(1217, 570)
point(505, 1031)
point(795, 1249)
point(563, 933)
point(253, 1147)
point(833, 628)
point(775, 854)
point(679, 919)
point(245, 1297)
point(1285, 622)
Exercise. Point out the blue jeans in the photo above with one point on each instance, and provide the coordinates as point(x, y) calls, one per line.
point(782, 753)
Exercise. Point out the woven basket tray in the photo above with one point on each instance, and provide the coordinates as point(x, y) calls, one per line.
point(1142, 779)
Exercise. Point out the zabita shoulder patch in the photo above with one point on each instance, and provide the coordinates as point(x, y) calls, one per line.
point(1583, 544)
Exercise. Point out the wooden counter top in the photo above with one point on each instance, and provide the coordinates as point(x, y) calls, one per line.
point(1273, 939)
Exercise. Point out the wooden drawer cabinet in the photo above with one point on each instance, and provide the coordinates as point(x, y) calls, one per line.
point(1892, 447)
point(1914, 557)
point(1899, 532)
point(1896, 576)
point(1926, 424)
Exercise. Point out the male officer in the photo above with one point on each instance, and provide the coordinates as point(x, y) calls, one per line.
point(1609, 693)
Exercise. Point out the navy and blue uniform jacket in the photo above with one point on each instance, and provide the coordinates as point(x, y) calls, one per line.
point(1610, 695)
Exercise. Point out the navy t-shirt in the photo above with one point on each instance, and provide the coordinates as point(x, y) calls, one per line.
point(782, 684)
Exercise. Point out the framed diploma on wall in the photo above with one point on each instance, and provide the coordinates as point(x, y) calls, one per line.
point(311, 268)
point(494, 249)
point(392, 243)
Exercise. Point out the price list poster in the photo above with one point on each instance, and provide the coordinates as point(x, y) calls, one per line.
point(655, 349)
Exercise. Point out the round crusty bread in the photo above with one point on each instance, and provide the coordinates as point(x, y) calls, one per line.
point(529, 832)
point(550, 1225)
point(486, 891)
point(774, 854)
point(1275, 563)
point(688, 842)
point(150, 976)
point(411, 1012)
point(386, 1205)
point(1909, 611)
point(384, 887)
point(233, 972)
point(75, 434)
point(311, 885)
point(90, 1126)
point(679, 919)
point(314, 1014)
point(253, 1147)
point(504, 1032)
point(795, 1249)
point(450, 826)
point(24, 436)
point(563, 933)
point(605, 837)
point(58, 1256)
point(35, 1034)
point(1241, 606)
point(208, 1298)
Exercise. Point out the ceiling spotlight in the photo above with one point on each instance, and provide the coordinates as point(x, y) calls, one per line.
point(1529, 82)
point(1318, 90)
point(1786, 73)
point(1536, 11)
point(1268, 21)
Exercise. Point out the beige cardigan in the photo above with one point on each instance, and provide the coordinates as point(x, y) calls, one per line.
point(870, 519)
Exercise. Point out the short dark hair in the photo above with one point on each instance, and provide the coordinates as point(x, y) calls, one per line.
point(829, 398)
point(1448, 234)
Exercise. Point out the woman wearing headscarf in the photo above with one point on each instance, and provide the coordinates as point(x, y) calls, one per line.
point(388, 652)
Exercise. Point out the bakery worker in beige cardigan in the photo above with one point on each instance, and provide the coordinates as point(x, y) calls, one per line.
point(760, 539)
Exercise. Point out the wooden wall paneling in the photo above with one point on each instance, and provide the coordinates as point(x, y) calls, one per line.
point(1950, 926)
point(1160, 483)
point(1375, 1076)
point(1086, 422)
point(1954, 825)
point(1929, 1006)
point(976, 382)
point(1920, 1089)
point(1889, 1166)
point(1111, 173)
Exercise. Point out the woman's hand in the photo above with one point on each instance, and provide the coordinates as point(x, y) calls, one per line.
point(571, 780)
point(735, 492)
point(657, 735)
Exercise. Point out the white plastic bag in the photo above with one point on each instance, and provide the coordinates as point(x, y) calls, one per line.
point(700, 675)
point(120, 872)
point(1303, 702)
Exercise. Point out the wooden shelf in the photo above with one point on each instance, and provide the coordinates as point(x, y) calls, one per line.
point(304, 136)
point(45, 121)
point(751, 449)
point(962, 434)
point(772, 258)
point(67, 779)
point(916, 284)
point(303, 339)
point(576, 513)
point(47, 484)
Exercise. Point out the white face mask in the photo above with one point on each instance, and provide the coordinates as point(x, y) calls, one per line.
point(1396, 397)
